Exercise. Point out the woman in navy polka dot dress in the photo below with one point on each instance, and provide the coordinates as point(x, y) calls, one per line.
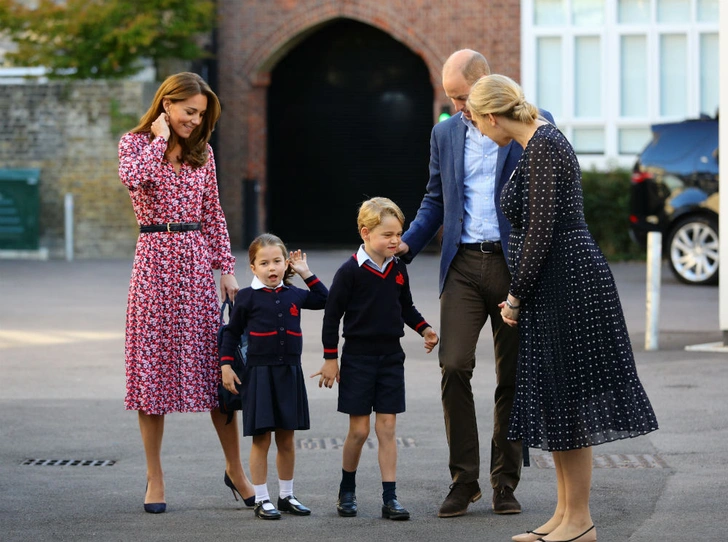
point(577, 385)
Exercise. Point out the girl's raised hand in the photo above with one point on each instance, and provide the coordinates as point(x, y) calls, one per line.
point(297, 261)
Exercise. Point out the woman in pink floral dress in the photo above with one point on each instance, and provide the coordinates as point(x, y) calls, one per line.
point(171, 349)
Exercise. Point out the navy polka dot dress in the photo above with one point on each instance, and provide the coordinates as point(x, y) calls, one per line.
point(577, 384)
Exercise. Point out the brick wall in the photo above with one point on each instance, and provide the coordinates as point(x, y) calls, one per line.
point(70, 131)
point(255, 34)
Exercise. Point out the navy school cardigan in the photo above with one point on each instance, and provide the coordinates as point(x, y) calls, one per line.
point(271, 320)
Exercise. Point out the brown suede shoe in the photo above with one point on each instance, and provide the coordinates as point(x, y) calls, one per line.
point(460, 496)
point(504, 501)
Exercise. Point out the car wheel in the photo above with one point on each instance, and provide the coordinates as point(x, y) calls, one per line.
point(693, 247)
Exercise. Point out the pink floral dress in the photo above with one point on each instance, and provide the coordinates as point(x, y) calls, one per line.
point(172, 312)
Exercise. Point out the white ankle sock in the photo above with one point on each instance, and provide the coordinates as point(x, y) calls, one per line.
point(261, 494)
point(285, 488)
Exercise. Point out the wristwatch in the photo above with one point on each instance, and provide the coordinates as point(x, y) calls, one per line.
point(511, 305)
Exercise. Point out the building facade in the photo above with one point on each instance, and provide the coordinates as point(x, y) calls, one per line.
point(608, 69)
point(329, 102)
point(312, 123)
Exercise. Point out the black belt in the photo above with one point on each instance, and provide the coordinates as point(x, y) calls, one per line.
point(486, 247)
point(170, 227)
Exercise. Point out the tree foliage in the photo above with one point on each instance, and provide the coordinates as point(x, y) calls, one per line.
point(104, 38)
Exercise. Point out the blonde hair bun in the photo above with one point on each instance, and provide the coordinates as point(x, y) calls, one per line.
point(500, 95)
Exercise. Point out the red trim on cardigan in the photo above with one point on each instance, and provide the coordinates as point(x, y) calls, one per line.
point(378, 273)
point(276, 290)
point(266, 334)
point(309, 284)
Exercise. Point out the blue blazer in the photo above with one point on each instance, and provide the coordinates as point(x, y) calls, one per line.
point(444, 204)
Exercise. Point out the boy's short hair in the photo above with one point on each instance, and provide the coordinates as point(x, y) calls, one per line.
point(373, 211)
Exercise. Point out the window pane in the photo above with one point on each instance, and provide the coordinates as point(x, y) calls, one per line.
point(709, 71)
point(673, 70)
point(633, 76)
point(548, 12)
point(673, 11)
point(588, 140)
point(708, 11)
point(634, 11)
point(548, 74)
point(588, 12)
point(633, 140)
point(588, 77)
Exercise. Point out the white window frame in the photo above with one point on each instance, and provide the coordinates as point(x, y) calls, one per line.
point(610, 34)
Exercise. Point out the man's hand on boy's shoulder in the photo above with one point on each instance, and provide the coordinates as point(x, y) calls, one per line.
point(329, 373)
point(402, 249)
point(431, 339)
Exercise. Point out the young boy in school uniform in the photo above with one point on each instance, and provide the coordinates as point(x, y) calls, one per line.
point(371, 292)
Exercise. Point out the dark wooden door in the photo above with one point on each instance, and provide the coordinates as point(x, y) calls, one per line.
point(349, 117)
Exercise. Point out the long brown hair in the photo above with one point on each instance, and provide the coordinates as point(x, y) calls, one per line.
point(270, 240)
point(176, 88)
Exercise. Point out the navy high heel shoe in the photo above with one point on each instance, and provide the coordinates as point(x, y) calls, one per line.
point(249, 502)
point(154, 507)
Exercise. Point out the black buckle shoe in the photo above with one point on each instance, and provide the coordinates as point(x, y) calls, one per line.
point(346, 505)
point(394, 510)
point(293, 506)
point(262, 513)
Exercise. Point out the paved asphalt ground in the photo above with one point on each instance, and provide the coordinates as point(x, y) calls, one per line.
point(61, 397)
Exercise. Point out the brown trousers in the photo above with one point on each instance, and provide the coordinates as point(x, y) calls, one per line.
point(474, 286)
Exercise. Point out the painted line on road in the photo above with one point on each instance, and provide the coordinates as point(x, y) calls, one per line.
point(610, 461)
point(335, 443)
point(14, 338)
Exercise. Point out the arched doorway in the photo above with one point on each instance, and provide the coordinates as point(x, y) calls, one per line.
point(349, 117)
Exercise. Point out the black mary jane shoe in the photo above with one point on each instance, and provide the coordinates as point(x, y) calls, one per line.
point(293, 506)
point(262, 513)
point(394, 510)
point(346, 505)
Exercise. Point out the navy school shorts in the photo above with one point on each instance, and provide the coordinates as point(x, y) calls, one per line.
point(371, 383)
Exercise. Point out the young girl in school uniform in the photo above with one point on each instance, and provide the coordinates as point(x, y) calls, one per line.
point(268, 312)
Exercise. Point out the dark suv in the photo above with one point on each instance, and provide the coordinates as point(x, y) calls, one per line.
point(675, 191)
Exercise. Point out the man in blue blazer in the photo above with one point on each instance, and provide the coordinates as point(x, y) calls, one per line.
point(467, 174)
